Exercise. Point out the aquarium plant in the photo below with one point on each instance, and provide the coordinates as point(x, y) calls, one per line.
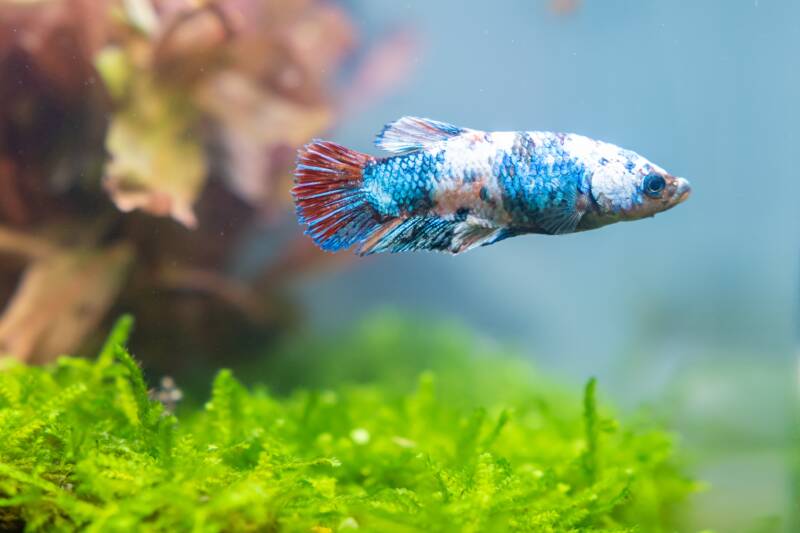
point(86, 444)
point(142, 141)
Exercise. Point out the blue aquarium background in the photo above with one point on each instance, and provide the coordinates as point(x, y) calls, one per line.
point(692, 311)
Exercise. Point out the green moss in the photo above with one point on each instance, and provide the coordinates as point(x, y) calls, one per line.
point(83, 446)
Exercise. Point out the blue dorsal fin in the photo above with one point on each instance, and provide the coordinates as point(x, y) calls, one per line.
point(413, 133)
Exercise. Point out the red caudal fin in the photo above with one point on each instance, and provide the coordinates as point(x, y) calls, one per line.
point(329, 197)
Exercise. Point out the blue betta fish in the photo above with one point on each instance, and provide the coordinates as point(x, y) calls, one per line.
point(452, 189)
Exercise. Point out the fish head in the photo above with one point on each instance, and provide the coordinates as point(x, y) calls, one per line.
point(658, 191)
point(627, 186)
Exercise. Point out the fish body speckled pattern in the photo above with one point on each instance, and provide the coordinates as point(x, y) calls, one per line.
point(452, 189)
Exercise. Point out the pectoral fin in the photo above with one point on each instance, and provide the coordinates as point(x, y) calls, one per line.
point(559, 220)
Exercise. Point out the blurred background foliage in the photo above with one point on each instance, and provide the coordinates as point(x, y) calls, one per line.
point(140, 140)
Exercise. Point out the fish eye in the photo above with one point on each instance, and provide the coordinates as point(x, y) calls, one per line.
point(653, 185)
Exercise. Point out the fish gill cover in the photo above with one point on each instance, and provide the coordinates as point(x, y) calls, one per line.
point(84, 446)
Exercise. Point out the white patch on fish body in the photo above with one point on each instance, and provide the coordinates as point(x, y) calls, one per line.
point(469, 165)
point(467, 154)
point(615, 172)
point(503, 140)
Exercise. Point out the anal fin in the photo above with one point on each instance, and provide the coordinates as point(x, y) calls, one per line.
point(470, 234)
point(429, 233)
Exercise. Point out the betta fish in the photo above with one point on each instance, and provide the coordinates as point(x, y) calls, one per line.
point(452, 189)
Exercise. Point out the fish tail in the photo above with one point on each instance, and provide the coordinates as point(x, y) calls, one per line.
point(329, 196)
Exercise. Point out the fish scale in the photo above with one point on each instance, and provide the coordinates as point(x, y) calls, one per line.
point(538, 180)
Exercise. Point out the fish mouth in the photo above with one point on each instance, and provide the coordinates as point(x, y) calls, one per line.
point(682, 190)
